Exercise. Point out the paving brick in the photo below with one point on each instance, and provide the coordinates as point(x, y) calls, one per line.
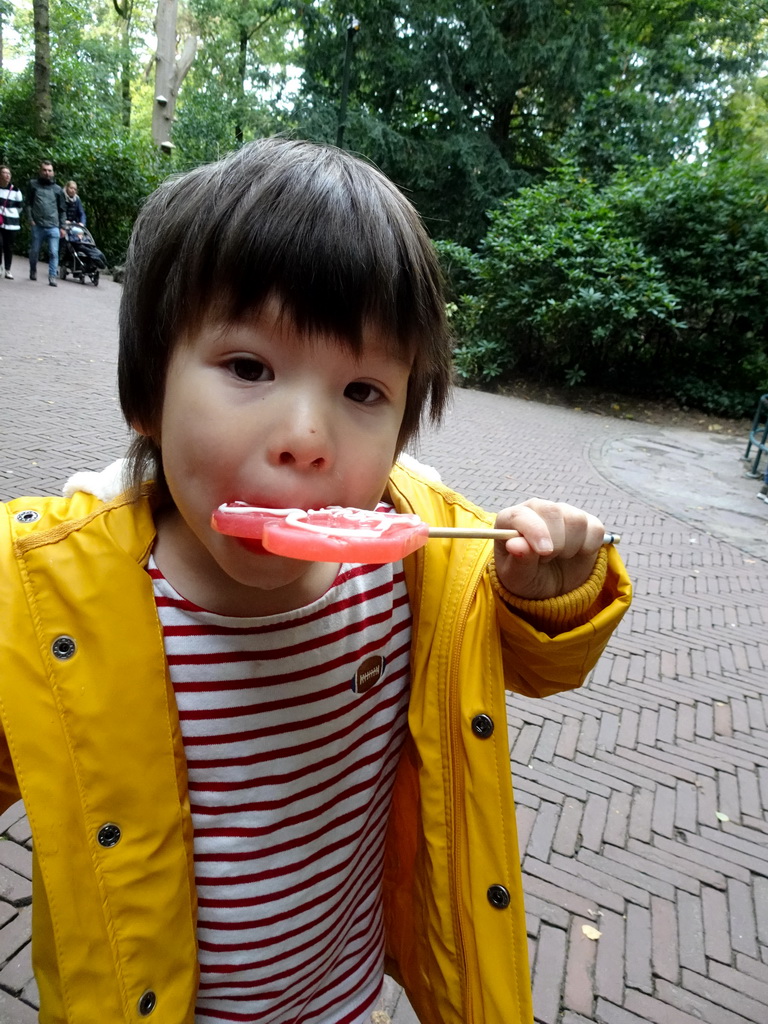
point(627, 734)
point(10, 816)
point(641, 815)
point(638, 966)
point(617, 820)
point(717, 928)
point(663, 816)
point(578, 994)
point(593, 824)
point(690, 930)
point(742, 918)
point(567, 835)
point(549, 974)
point(526, 741)
point(16, 857)
point(569, 737)
point(609, 967)
point(14, 888)
point(665, 953)
point(760, 890)
point(728, 795)
point(686, 806)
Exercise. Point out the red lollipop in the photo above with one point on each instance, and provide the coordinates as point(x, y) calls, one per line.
point(338, 534)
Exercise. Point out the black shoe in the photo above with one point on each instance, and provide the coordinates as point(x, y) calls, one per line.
point(52, 282)
point(33, 275)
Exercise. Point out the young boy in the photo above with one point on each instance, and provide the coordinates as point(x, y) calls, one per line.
point(253, 782)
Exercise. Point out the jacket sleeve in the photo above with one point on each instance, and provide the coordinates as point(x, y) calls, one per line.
point(30, 199)
point(61, 202)
point(541, 659)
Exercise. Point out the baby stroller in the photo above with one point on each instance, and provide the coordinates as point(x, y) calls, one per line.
point(79, 256)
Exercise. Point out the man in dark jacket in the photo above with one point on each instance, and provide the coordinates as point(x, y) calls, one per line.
point(47, 214)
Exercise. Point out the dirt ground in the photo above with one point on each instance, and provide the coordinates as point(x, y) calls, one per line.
point(603, 403)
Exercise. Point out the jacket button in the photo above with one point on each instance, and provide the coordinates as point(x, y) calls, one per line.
point(498, 897)
point(63, 647)
point(27, 516)
point(147, 1003)
point(109, 835)
point(482, 726)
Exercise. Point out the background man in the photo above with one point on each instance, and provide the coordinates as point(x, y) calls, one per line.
point(47, 215)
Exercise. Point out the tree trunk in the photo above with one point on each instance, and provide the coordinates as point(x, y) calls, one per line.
point(125, 73)
point(169, 71)
point(242, 67)
point(43, 111)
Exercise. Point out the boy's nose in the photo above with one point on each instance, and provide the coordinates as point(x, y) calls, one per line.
point(302, 441)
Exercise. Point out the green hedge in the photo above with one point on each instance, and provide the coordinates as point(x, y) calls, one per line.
point(654, 284)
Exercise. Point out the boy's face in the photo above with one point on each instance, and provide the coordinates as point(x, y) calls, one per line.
point(258, 412)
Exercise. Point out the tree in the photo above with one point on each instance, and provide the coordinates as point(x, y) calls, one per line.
point(43, 108)
point(236, 86)
point(170, 71)
point(124, 11)
point(468, 101)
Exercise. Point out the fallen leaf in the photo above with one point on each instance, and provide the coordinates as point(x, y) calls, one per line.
point(721, 817)
point(590, 932)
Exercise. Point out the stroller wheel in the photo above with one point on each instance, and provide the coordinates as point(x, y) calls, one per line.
point(82, 279)
point(95, 278)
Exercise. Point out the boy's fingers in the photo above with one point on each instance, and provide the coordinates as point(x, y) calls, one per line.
point(551, 528)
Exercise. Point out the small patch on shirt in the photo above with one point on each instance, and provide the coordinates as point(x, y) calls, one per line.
point(369, 673)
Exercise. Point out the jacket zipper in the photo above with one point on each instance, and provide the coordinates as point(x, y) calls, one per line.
point(457, 788)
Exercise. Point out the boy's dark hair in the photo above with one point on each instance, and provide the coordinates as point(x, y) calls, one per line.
point(322, 231)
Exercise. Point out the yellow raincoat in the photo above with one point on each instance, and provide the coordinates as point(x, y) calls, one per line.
point(91, 741)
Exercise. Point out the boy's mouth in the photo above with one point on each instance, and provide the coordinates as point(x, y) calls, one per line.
point(254, 547)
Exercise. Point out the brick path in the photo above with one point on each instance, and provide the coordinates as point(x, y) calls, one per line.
point(642, 798)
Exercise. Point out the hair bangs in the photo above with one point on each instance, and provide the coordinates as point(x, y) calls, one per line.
point(333, 248)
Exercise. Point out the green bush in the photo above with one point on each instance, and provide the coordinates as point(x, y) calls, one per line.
point(653, 284)
point(115, 170)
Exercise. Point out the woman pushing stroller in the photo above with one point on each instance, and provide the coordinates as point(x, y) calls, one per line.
point(75, 209)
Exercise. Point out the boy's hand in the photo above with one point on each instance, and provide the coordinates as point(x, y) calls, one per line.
point(556, 552)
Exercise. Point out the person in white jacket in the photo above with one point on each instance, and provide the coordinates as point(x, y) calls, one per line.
point(11, 203)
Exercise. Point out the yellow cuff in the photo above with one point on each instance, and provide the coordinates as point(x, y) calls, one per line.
point(564, 612)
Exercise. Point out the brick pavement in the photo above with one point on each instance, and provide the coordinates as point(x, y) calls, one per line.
point(641, 798)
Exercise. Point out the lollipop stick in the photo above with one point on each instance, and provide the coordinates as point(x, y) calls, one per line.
point(489, 534)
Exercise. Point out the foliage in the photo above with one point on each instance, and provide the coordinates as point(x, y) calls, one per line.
point(667, 69)
point(465, 103)
point(235, 89)
point(114, 170)
point(653, 283)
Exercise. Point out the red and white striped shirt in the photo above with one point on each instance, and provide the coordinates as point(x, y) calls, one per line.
point(292, 728)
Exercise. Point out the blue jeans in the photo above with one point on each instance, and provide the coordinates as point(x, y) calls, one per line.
point(52, 236)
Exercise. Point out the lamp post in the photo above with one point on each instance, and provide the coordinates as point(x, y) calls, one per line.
point(353, 27)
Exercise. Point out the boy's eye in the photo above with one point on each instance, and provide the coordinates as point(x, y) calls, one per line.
point(359, 391)
point(250, 369)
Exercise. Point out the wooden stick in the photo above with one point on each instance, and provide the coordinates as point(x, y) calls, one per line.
point(490, 534)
